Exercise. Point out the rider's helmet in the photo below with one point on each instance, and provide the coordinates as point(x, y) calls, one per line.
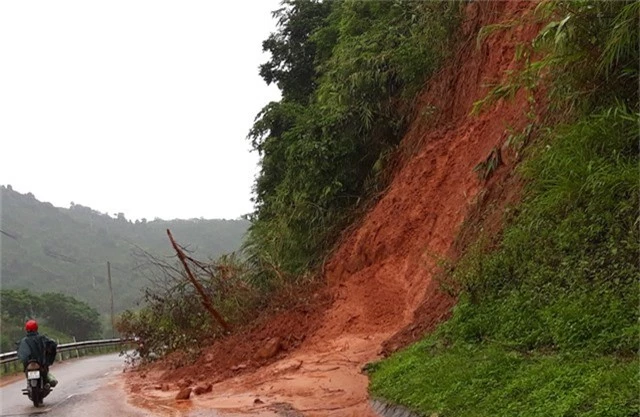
point(31, 326)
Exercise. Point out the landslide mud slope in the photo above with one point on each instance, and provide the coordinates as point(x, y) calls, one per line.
point(383, 271)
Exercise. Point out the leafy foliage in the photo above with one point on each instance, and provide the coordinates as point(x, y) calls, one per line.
point(586, 55)
point(58, 315)
point(292, 54)
point(71, 316)
point(344, 107)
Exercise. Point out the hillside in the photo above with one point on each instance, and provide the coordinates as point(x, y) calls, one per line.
point(493, 268)
point(52, 249)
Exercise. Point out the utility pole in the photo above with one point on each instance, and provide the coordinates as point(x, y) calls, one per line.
point(113, 323)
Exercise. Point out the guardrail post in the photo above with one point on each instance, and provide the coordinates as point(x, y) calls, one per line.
point(77, 352)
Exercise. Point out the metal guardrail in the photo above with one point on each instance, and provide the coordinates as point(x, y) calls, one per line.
point(76, 347)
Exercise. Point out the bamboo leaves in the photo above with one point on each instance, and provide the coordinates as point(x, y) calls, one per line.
point(322, 149)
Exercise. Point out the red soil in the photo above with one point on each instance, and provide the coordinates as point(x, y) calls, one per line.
point(380, 291)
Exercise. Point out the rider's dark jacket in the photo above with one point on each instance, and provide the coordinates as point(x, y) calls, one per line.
point(32, 346)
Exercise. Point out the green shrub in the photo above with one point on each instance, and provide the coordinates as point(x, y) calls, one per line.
point(173, 316)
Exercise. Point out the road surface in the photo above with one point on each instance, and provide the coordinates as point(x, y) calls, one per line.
point(87, 387)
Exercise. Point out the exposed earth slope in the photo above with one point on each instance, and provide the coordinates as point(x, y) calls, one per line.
point(383, 271)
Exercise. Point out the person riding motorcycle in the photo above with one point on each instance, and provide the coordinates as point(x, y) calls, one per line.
point(40, 348)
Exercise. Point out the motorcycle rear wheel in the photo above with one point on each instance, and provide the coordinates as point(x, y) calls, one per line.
point(36, 397)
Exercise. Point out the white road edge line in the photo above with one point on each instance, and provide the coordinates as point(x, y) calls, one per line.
point(39, 410)
point(61, 402)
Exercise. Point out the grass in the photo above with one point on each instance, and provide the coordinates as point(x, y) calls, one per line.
point(489, 380)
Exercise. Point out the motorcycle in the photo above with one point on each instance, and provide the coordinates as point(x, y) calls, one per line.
point(37, 387)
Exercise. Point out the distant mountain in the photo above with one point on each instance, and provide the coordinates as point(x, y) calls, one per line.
point(45, 248)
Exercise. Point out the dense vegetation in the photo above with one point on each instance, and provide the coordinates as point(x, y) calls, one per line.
point(546, 322)
point(51, 249)
point(348, 71)
point(59, 316)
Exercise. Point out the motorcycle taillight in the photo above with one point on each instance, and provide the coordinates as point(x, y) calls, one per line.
point(33, 366)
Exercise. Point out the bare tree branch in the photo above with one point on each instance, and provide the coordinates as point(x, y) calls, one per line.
point(206, 301)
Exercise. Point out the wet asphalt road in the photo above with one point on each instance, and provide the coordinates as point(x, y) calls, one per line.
point(87, 387)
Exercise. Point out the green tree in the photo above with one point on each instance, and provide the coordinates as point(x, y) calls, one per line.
point(73, 317)
point(20, 304)
point(56, 313)
point(347, 71)
point(293, 54)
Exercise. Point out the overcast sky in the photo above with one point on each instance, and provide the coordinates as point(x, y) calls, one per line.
point(133, 106)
